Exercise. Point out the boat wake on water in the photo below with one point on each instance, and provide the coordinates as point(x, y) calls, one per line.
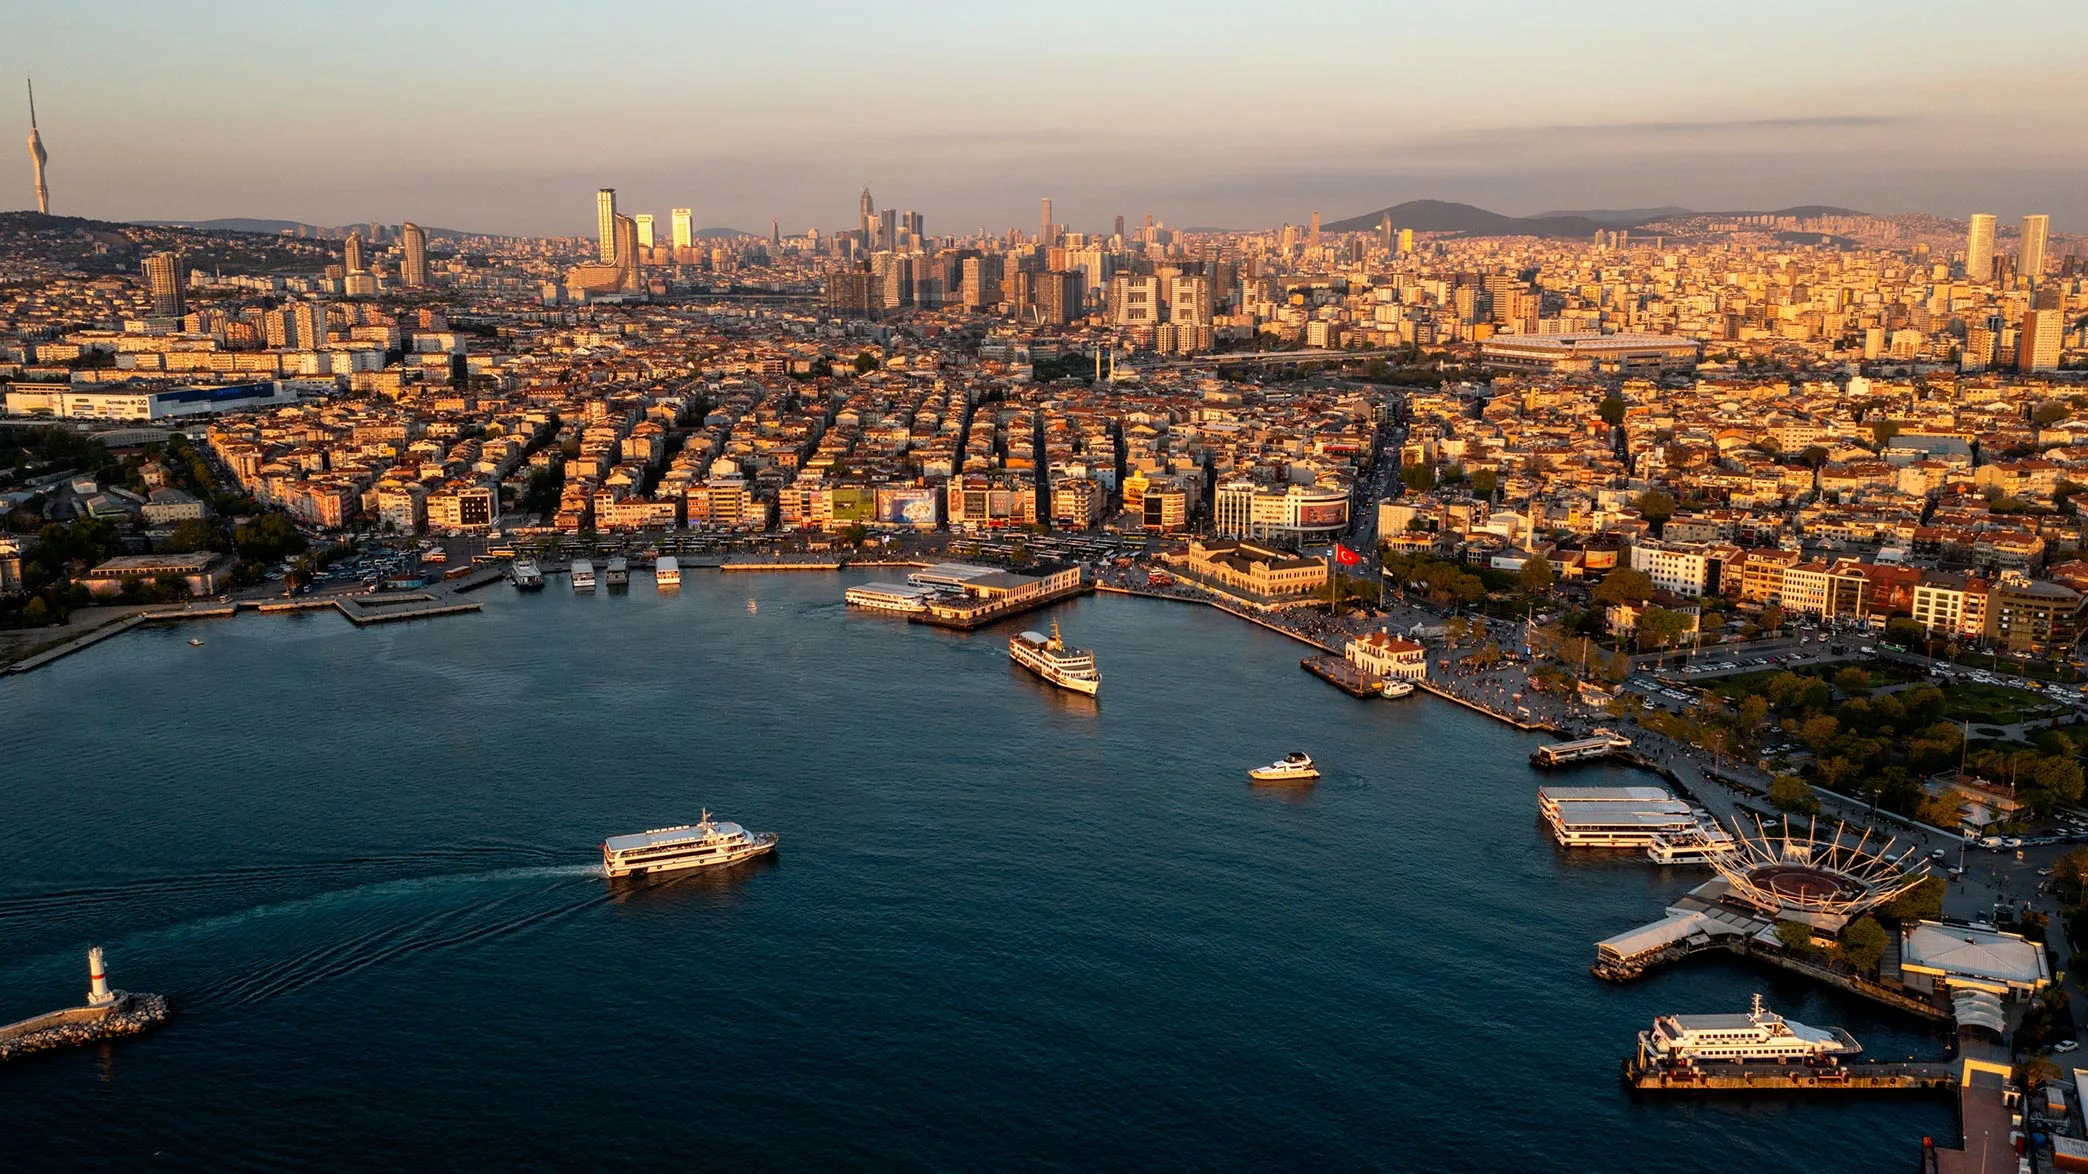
point(238, 958)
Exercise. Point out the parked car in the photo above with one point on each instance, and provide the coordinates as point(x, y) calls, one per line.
point(2066, 1045)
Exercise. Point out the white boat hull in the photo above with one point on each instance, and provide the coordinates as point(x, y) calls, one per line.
point(1265, 775)
point(763, 844)
point(1088, 686)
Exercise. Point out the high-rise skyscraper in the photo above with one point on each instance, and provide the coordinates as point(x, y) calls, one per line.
point(1312, 236)
point(163, 282)
point(351, 253)
point(683, 227)
point(645, 233)
point(605, 224)
point(413, 273)
point(1120, 227)
point(1979, 247)
point(37, 155)
point(623, 239)
point(868, 210)
point(1046, 232)
point(888, 229)
point(775, 232)
point(2037, 344)
point(2030, 251)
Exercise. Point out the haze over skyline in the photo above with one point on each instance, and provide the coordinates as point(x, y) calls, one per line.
point(1202, 114)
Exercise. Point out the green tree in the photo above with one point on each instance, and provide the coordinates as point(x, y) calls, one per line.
point(1418, 477)
point(1789, 793)
point(1923, 902)
point(1795, 936)
point(1663, 627)
point(1623, 585)
point(1485, 481)
point(1772, 618)
point(865, 362)
point(2051, 412)
point(1863, 944)
point(1611, 410)
point(1883, 430)
point(1536, 576)
point(1812, 456)
point(197, 534)
point(1656, 507)
point(1853, 682)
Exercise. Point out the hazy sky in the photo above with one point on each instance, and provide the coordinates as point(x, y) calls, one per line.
point(505, 116)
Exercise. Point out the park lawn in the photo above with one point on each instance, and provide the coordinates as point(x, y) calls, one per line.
point(1997, 705)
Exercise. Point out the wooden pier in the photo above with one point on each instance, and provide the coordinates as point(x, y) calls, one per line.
point(1338, 672)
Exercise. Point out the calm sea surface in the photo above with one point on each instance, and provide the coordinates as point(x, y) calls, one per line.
point(1007, 927)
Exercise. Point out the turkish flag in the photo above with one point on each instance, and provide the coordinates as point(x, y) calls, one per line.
point(1345, 556)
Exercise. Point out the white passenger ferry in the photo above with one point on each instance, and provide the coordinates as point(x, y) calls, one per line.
point(667, 571)
point(1395, 687)
point(583, 575)
point(1295, 767)
point(528, 576)
point(619, 571)
point(708, 844)
point(1758, 1035)
point(898, 598)
point(1049, 658)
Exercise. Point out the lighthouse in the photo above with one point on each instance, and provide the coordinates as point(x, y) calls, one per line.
point(98, 994)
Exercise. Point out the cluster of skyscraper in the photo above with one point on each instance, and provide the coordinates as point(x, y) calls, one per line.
point(1981, 262)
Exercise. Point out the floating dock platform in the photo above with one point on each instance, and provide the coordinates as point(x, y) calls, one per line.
point(1338, 672)
point(1603, 745)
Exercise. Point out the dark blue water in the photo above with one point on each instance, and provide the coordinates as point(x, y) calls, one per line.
point(1007, 926)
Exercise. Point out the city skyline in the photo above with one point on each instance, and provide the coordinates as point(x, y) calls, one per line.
point(741, 140)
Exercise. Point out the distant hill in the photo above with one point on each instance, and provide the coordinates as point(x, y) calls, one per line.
point(1621, 217)
point(1442, 216)
point(32, 243)
point(722, 233)
point(299, 229)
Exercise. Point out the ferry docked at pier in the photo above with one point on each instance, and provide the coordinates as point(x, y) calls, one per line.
point(1759, 1035)
point(667, 571)
point(528, 576)
point(583, 575)
point(705, 844)
point(1049, 658)
point(619, 571)
point(1395, 687)
point(1601, 745)
point(1295, 767)
point(1696, 845)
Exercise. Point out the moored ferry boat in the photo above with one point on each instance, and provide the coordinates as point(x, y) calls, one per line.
point(583, 575)
point(528, 576)
point(1049, 658)
point(1759, 1035)
point(705, 844)
point(1295, 767)
point(1695, 845)
point(667, 571)
point(1395, 687)
point(619, 571)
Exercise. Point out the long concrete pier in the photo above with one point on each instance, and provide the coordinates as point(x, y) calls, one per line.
point(1860, 1076)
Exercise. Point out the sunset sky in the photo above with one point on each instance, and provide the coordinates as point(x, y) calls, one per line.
point(506, 116)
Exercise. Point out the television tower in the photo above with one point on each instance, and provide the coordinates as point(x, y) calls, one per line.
point(37, 155)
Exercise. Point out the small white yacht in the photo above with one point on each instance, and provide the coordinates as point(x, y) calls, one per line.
point(1395, 687)
point(1295, 767)
point(1757, 1035)
point(706, 844)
